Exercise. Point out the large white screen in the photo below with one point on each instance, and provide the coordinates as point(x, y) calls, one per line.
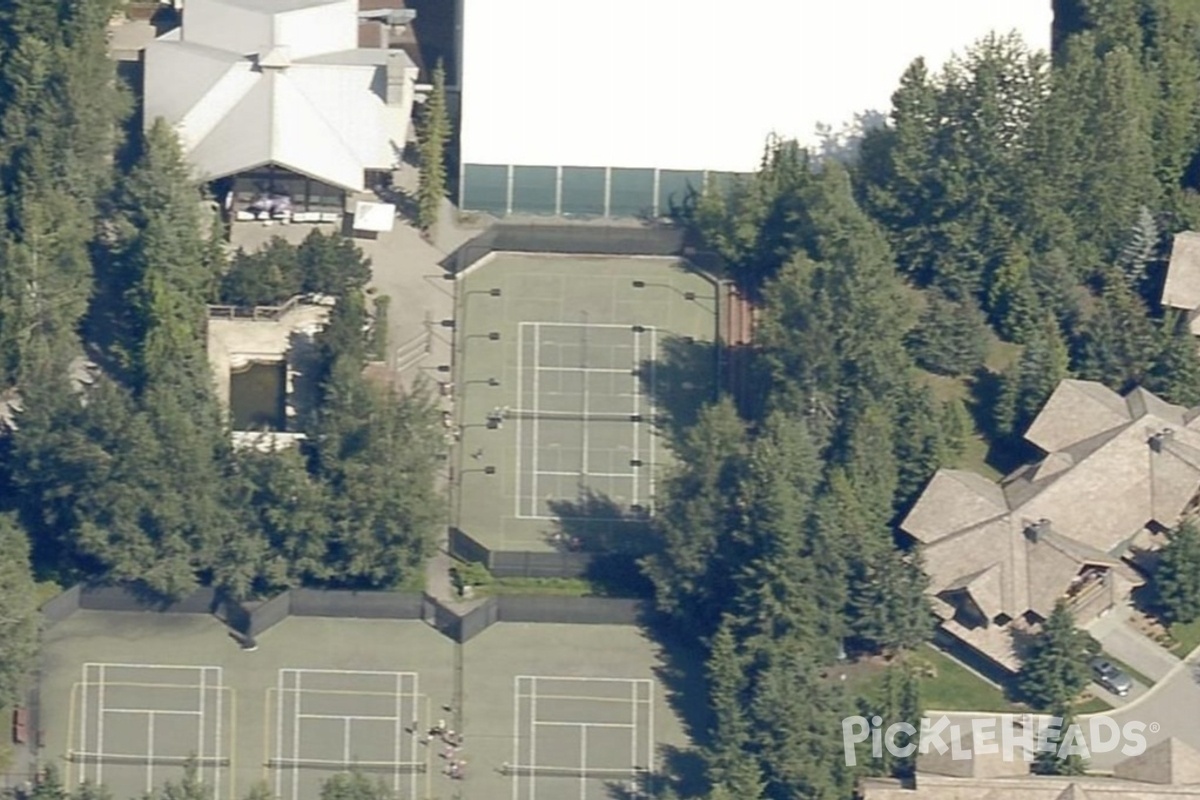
point(697, 84)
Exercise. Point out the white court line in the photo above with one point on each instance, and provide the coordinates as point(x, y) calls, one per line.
point(588, 325)
point(516, 756)
point(83, 728)
point(584, 697)
point(649, 727)
point(583, 679)
point(532, 735)
point(346, 740)
point(279, 734)
point(537, 356)
point(416, 687)
point(547, 473)
point(603, 370)
point(122, 665)
point(582, 763)
point(307, 671)
point(200, 722)
point(637, 407)
point(149, 754)
point(396, 733)
point(633, 711)
point(583, 354)
point(296, 738)
point(187, 713)
point(552, 724)
point(100, 726)
point(220, 711)
point(376, 717)
point(653, 409)
point(520, 404)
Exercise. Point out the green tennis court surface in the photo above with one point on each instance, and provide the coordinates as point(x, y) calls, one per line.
point(567, 367)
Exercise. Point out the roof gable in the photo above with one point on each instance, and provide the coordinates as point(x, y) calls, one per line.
point(1182, 287)
point(1077, 410)
point(953, 500)
point(1167, 762)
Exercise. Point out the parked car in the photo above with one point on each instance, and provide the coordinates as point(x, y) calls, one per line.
point(1108, 675)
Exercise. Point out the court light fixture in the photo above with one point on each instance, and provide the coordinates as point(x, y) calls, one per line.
point(639, 329)
point(635, 462)
point(689, 295)
point(639, 284)
point(493, 382)
point(635, 417)
point(494, 336)
point(443, 368)
point(448, 323)
point(494, 292)
point(489, 470)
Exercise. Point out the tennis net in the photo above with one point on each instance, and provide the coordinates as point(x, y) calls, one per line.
point(383, 767)
point(632, 773)
point(147, 760)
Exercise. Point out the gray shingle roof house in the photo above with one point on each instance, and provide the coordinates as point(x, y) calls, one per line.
point(1182, 287)
point(1000, 555)
point(1168, 770)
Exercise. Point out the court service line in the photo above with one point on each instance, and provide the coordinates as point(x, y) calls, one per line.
point(100, 725)
point(217, 739)
point(296, 708)
point(149, 753)
point(352, 717)
point(533, 735)
point(585, 698)
point(413, 749)
point(278, 734)
point(516, 756)
point(626, 326)
point(557, 724)
point(583, 678)
point(554, 474)
point(582, 763)
point(396, 732)
point(633, 719)
point(537, 359)
point(637, 408)
point(520, 404)
point(182, 713)
point(650, 726)
point(653, 408)
point(600, 370)
point(346, 741)
point(307, 671)
point(200, 722)
point(583, 356)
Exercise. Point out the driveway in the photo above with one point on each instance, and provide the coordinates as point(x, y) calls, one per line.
point(1123, 641)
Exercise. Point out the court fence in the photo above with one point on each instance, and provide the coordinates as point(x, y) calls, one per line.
point(520, 563)
point(460, 622)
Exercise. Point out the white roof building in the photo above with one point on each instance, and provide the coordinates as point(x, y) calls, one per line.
point(255, 83)
point(685, 86)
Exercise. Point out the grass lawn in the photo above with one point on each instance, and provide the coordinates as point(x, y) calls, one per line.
point(563, 587)
point(1093, 705)
point(1186, 636)
point(975, 449)
point(952, 687)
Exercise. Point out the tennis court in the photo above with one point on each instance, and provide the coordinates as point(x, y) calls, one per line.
point(581, 738)
point(136, 725)
point(330, 721)
point(557, 387)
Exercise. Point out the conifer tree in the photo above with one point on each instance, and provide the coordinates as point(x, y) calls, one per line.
point(433, 134)
point(1056, 665)
point(1177, 577)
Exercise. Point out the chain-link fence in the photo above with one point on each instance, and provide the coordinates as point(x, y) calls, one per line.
point(458, 623)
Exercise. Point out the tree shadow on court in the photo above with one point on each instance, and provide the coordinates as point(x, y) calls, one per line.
point(613, 536)
point(681, 382)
